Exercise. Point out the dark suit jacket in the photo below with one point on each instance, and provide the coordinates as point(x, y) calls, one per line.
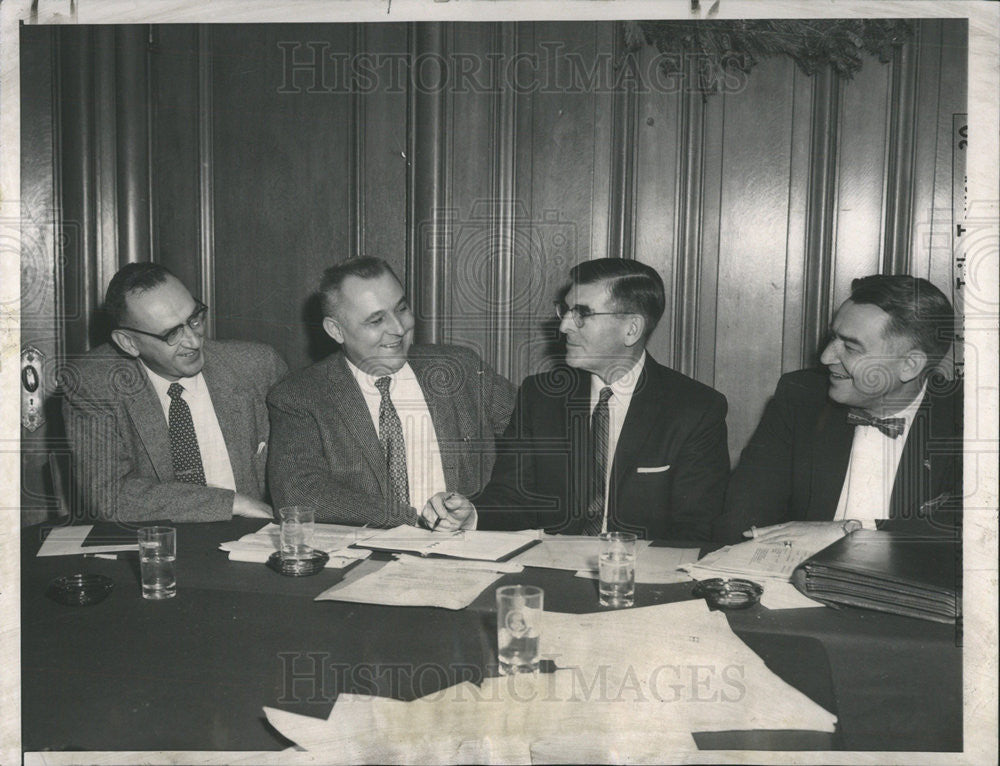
point(121, 446)
point(325, 451)
point(794, 466)
point(669, 471)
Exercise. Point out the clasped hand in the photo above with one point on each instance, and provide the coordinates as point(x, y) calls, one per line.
point(449, 512)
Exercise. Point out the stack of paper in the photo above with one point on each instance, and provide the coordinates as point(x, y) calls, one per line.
point(634, 685)
point(464, 544)
point(68, 541)
point(334, 539)
point(415, 581)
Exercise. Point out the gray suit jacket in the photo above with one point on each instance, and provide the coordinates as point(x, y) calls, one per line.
point(325, 452)
point(121, 447)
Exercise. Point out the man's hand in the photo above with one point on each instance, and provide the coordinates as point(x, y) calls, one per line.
point(449, 512)
point(815, 535)
point(252, 509)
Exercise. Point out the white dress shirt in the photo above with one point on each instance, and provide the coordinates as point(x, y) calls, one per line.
point(871, 470)
point(211, 442)
point(423, 455)
point(621, 396)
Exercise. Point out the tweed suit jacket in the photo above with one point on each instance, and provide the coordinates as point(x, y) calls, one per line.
point(325, 451)
point(669, 470)
point(794, 466)
point(121, 446)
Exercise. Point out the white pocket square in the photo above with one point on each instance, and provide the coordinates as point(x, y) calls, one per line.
point(652, 469)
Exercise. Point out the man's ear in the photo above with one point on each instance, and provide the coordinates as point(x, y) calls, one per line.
point(914, 363)
point(125, 342)
point(332, 328)
point(635, 330)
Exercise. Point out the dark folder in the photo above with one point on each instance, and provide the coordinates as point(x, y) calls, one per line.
point(895, 572)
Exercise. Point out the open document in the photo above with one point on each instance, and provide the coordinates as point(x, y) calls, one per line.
point(333, 539)
point(415, 581)
point(464, 544)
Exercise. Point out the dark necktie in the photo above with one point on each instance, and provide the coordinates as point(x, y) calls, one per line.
point(598, 465)
point(184, 452)
point(390, 431)
point(891, 427)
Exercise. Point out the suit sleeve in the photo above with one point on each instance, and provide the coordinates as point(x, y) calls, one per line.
point(500, 395)
point(700, 475)
point(760, 489)
point(108, 480)
point(299, 473)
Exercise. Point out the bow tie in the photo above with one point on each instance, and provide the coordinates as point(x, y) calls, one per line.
point(891, 427)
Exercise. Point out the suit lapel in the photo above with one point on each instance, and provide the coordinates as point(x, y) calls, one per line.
point(646, 410)
point(831, 444)
point(347, 401)
point(232, 406)
point(442, 409)
point(146, 413)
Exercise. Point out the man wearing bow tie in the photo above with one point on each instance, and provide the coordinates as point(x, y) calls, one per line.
point(874, 440)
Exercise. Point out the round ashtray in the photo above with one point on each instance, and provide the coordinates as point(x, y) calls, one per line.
point(723, 593)
point(299, 567)
point(80, 589)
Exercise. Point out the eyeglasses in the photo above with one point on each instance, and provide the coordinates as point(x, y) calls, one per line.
point(195, 322)
point(581, 314)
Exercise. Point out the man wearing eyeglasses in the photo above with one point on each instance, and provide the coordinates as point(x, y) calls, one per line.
point(164, 423)
point(613, 441)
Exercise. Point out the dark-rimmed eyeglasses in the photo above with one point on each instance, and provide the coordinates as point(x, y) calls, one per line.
point(581, 314)
point(195, 322)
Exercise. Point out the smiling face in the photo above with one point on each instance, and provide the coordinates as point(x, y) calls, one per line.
point(373, 323)
point(870, 368)
point(158, 310)
point(607, 345)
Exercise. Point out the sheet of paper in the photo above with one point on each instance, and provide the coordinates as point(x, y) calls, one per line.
point(253, 553)
point(68, 541)
point(467, 544)
point(414, 581)
point(784, 595)
point(753, 559)
point(656, 565)
point(334, 539)
point(572, 552)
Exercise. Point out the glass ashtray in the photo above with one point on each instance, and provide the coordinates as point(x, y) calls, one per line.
point(724, 593)
point(80, 589)
point(304, 566)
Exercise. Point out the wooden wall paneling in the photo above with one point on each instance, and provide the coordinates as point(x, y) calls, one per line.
point(625, 106)
point(688, 213)
point(711, 221)
point(799, 333)
point(357, 155)
point(862, 155)
point(107, 257)
point(753, 232)
point(40, 269)
point(206, 173)
point(427, 251)
point(660, 145)
point(475, 129)
point(385, 157)
point(176, 165)
point(281, 139)
point(132, 110)
point(901, 182)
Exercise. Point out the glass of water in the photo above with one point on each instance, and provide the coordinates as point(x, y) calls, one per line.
point(157, 554)
point(298, 524)
point(616, 569)
point(519, 628)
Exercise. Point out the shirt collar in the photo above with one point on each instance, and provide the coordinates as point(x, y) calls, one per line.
point(193, 384)
point(625, 385)
point(366, 382)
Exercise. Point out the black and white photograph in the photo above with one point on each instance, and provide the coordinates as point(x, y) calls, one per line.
point(498, 382)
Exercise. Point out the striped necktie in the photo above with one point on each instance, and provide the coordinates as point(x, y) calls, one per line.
point(390, 432)
point(598, 464)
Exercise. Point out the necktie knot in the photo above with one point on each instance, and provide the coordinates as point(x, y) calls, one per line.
point(891, 427)
point(382, 384)
point(175, 390)
point(606, 393)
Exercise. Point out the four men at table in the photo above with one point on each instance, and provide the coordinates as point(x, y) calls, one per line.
point(168, 425)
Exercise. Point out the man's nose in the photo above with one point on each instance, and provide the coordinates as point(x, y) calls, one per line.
point(567, 324)
point(829, 355)
point(192, 338)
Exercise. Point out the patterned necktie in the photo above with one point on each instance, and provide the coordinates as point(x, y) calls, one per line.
point(390, 431)
point(184, 452)
point(891, 427)
point(598, 466)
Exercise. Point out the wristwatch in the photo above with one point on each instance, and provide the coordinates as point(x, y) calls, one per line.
point(851, 525)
